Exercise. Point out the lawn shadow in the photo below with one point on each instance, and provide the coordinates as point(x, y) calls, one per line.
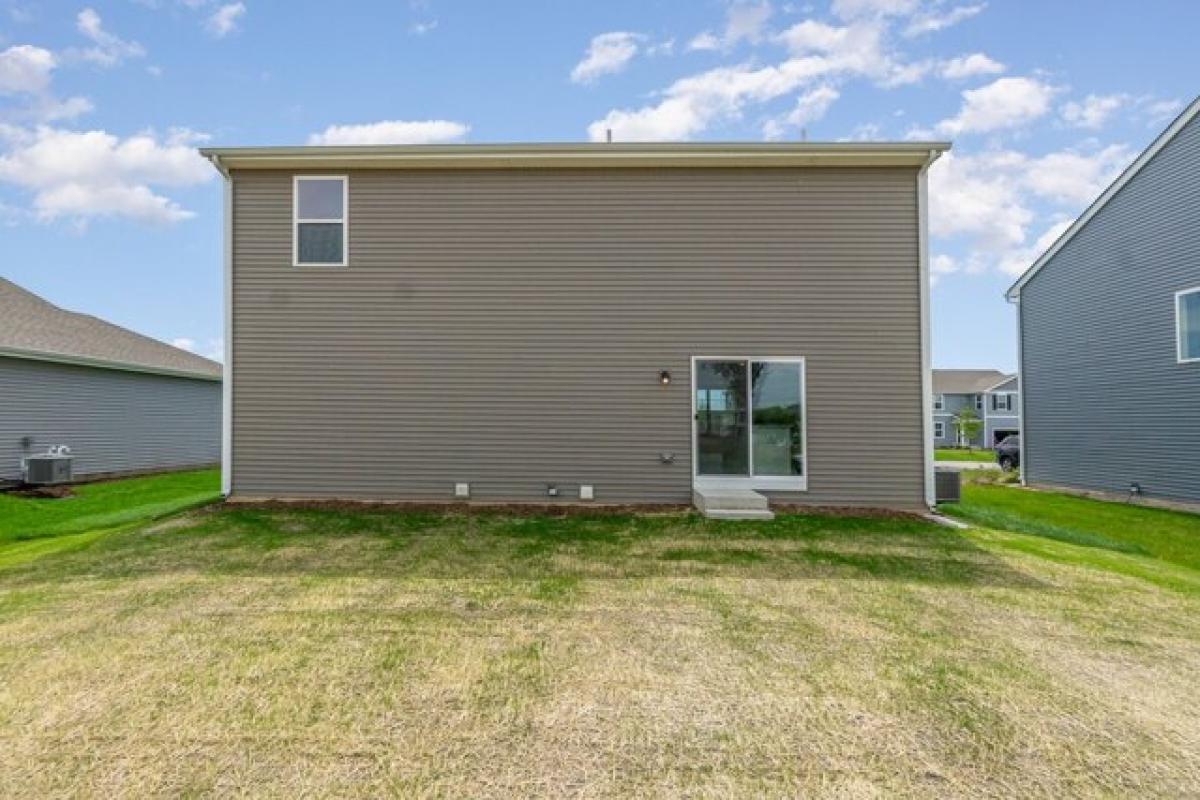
point(456, 545)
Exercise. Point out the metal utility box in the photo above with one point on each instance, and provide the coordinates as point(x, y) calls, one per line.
point(947, 485)
point(44, 470)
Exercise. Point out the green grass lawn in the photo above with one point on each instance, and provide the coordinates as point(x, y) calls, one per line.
point(1170, 536)
point(953, 454)
point(253, 652)
point(107, 504)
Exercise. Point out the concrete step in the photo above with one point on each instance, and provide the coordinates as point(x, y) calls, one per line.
point(731, 504)
point(745, 513)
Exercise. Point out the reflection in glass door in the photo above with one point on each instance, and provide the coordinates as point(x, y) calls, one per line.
point(722, 427)
point(749, 418)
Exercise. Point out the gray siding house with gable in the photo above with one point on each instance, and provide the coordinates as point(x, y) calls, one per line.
point(1109, 322)
point(124, 403)
point(991, 394)
point(622, 323)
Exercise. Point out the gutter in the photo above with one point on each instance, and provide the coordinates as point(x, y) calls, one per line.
point(227, 282)
point(926, 333)
point(101, 363)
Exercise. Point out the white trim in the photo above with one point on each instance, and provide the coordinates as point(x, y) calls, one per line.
point(939, 402)
point(1125, 177)
point(926, 345)
point(939, 429)
point(227, 385)
point(344, 221)
point(1179, 326)
point(782, 483)
point(102, 363)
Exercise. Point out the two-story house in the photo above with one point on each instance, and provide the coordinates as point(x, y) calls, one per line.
point(991, 394)
point(610, 323)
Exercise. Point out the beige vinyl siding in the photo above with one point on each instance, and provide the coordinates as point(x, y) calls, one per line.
point(507, 328)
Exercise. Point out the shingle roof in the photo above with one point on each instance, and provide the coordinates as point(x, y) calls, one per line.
point(965, 381)
point(30, 327)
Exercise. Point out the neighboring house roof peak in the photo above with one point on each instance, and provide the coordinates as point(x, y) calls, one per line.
point(967, 381)
point(34, 328)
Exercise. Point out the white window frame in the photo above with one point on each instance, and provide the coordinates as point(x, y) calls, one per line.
point(297, 221)
point(939, 402)
point(939, 429)
point(979, 403)
point(1179, 325)
point(1010, 405)
point(780, 483)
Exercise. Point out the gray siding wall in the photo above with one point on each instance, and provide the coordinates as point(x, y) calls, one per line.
point(113, 421)
point(507, 328)
point(1106, 402)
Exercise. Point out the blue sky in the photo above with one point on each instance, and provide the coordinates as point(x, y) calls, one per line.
point(106, 208)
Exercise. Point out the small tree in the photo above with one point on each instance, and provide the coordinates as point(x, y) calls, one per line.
point(966, 424)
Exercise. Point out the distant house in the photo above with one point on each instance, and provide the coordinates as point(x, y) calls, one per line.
point(1109, 326)
point(991, 394)
point(617, 323)
point(122, 402)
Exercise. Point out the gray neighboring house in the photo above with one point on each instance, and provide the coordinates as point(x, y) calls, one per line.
point(1109, 321)
point(124, 403)
point(993, 396)
point(622, 323)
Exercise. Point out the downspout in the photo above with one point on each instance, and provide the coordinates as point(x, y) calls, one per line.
point(227, 371)
point(926, 349)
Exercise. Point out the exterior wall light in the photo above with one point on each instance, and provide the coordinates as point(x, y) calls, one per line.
point(664, 377)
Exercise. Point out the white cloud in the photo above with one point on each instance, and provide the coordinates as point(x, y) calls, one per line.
point(855, 9)
point(1004, 103)
point(936, 19)
point(1158, 112)
point(428, 131)
point(422, 28)
point(107, 49)
point(1093, 111)
point(969, 66)
point(810, 107)
point(746, 21)
point(1015, 262)
point(991, 200)
point(819, 52)
point(25, 69)
point(85, 174)
point(1073, 177)
point(607, 53)
point(184, 343)
point(225, 19)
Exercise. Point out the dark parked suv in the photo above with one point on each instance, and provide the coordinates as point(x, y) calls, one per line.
point(1008, 452)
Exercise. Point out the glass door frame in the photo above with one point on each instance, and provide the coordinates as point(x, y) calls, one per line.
point(781, 483)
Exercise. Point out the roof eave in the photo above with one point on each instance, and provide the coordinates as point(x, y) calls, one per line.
point(100, 363)
point(1013, 294)
point(915, 154)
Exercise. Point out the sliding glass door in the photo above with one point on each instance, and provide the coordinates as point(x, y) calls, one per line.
point(749, 422)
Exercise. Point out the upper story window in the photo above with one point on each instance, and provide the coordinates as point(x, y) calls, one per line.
point(319, 220)
point(1187, 324)
point(939, 402)
point(1003, 402)
point(979, 402)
